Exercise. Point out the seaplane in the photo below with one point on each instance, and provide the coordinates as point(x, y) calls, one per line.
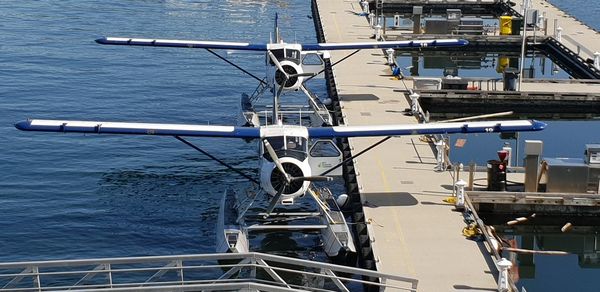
point(293, 159)
point(288, 68)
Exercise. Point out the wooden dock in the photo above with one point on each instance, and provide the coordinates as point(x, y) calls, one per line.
point(468, 7)
point(446, 104)
point(412, 232)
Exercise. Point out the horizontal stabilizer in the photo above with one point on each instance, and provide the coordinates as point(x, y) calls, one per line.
point(424, 129)
point(181, 44)
point(138, 129)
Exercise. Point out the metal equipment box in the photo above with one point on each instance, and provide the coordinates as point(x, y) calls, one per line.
point(566, 175)
point(592, 153)
point(533, 147)
point(417, 10)
point(455, 83)
point(532, 17)
point(453, 14)
point(427, 83)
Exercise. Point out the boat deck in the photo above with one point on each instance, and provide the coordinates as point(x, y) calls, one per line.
point(413, 233)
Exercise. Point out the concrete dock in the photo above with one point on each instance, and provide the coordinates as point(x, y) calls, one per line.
point(575, 35)
point(412, 232)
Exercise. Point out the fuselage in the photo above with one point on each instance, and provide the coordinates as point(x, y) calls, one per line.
point(291, 146)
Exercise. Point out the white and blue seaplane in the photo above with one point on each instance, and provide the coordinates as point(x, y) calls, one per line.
point(288, 67)
point(292, 158)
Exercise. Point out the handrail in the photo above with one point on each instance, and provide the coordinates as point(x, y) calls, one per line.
point(232, 271)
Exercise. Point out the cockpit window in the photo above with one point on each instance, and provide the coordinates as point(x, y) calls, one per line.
point(296, 143)
point(311, 59)
point(292, 54)
point(276, 142)
point(278, 53)
point(289, 54)
point(324, 148)
point(295, 147)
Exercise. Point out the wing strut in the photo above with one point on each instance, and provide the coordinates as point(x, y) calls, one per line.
point(339, 61)
point(217, 160)
point(236, 66)
point(357, 155)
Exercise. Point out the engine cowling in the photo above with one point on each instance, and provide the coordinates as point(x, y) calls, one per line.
point(271, 179)
point(291, 68)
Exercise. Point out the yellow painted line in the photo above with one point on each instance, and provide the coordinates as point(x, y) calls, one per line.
point(384, 179)
point(406, 259)
point(337, 27)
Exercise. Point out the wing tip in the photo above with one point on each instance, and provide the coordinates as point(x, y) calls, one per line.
point(23, 125)
point(102, 41)
point(537, 125)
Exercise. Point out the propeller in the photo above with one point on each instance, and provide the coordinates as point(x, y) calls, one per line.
point(288, 179)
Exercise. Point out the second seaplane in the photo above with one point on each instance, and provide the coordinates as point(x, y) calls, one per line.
point(288, 68)
point(291, 157)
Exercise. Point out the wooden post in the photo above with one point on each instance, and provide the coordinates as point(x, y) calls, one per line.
point(472, 166)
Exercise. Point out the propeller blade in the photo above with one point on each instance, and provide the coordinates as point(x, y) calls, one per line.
point(276, 62)
point(280, 90)
point(312, 178)
point(276, 159)
point(274, 201)
point(305, 74)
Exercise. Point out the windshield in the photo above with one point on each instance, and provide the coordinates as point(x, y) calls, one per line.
point(294, 146)
point(288, 54)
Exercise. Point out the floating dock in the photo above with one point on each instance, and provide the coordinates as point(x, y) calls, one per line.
point(410, 231)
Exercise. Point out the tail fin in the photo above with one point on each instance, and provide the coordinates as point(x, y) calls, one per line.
point(276, 29)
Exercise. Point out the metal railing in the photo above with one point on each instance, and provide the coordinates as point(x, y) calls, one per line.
point(214, 272)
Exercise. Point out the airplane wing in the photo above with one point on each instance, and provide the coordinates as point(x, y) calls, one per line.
point(255, 132)
point(386, 45)
point(181, 44)
point(431, 128)
point(265, 47)
point(138, 129)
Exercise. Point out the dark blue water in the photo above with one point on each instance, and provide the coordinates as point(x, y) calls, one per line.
point(75, 196)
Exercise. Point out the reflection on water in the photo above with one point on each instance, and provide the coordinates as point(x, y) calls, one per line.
point(488, 64)
point(479, 148)
point(578, 271)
